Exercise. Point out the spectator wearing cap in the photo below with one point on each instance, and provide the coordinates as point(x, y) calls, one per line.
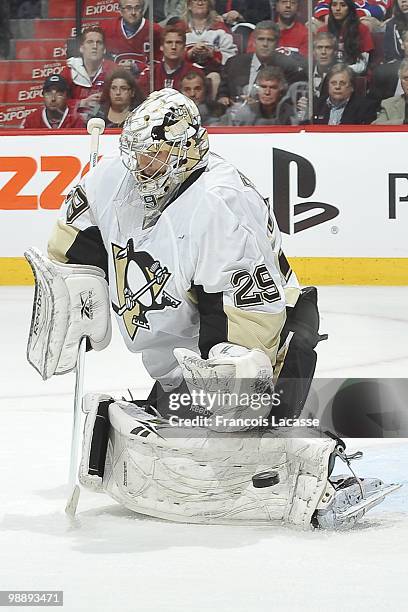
point(56, 113)
point(87, 74)
point(173, 67)
point(129, 33)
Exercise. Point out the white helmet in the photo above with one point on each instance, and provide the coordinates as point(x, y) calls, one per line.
point(162, 143)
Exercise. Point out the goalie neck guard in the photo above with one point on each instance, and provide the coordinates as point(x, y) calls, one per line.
point(162, 144)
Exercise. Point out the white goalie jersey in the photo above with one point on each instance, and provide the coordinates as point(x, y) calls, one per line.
point(209, 270)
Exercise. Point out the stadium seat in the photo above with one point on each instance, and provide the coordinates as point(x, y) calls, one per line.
point(20, 91)
point(360, 85)
point(377, 56)
point(41, 49)
point(242, 32)
point(61, 28)
point(91, 8)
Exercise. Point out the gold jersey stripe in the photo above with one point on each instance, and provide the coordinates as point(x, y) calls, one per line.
point(309, 270)
point(62, 239)
point(255, 329)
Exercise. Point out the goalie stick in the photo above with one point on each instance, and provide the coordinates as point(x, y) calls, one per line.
point(95, 128)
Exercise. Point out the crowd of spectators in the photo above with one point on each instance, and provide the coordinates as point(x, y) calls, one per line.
point(244, 62)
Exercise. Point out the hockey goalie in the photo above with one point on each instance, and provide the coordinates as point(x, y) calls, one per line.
point(187, 254)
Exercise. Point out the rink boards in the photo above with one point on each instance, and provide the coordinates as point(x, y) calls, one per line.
point(340, 198)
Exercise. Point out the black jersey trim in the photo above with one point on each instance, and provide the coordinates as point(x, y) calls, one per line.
point(88, 249)
point(284, 266)
point(213, 320)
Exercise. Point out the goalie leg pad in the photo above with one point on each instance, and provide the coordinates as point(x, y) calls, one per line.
point(199, 476)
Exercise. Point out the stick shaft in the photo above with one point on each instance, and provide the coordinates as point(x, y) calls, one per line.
point(76, 424)
point(73, 489)
point(93, 157)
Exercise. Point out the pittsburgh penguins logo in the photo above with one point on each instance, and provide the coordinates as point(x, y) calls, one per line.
point(76, 204)
point(140, 282)
point(175, 127)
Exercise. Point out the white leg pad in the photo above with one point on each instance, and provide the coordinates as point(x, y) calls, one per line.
point(202, 476)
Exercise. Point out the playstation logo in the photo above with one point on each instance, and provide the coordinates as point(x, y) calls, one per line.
point(286, 212)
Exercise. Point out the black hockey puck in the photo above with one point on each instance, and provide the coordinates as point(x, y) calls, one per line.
point(265, 479)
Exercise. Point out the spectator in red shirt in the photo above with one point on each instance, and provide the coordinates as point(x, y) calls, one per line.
point(130, 33)
point(293, 33)
point(173, 67)
point(86, 75)
point(56, 113)
point(354, 38)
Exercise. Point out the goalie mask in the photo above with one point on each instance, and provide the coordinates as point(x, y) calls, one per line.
point(162, 144)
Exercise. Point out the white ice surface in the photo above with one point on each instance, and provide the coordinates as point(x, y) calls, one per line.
point(111, 560)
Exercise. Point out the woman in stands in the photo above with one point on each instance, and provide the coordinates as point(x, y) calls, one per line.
point(355, 42)
point(209, 43)
point(120, 95)
point(393, 47)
